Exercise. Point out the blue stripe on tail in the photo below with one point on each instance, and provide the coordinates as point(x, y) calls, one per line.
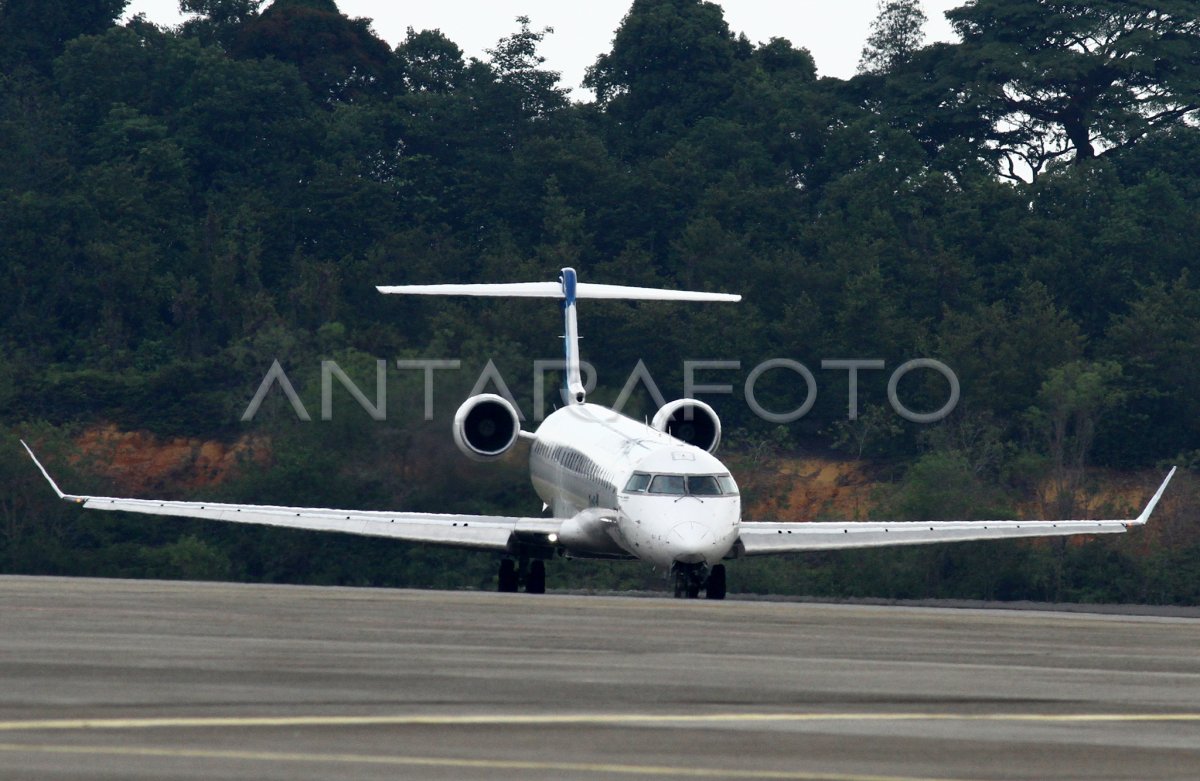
point(568, 283)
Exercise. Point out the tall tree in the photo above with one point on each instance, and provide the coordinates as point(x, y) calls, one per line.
point(35, 31)
point(1071, 406)
point(340, 58)
point(896, 34)
point(430, 62)
point(1078, 78)
point(518, 64)
point(217, 21)
point(670, 64)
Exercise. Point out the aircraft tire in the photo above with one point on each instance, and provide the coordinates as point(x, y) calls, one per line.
point(507, 581)
point(535, 582)
point(715, 589)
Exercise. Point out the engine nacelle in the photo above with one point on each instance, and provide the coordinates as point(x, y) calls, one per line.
point(692, 421)
point(485, 427)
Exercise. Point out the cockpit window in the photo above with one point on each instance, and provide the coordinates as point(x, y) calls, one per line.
point(681, 485)
point(667, 484)
point(703, 485)
point(637, 483)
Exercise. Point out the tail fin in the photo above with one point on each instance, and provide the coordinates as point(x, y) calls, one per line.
point(569, 290)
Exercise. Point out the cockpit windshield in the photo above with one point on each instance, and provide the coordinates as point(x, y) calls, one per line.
point(668, 484)
point(681, 485)
point(638, 483)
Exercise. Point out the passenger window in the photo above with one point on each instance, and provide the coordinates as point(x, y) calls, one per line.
point(637, 484)
point(703, 485)
point(667, 484)
point(727, 484)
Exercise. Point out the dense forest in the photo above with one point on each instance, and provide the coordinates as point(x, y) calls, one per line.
point(180, 208)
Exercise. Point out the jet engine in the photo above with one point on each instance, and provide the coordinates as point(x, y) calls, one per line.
point(485, 427)
point(692, 421)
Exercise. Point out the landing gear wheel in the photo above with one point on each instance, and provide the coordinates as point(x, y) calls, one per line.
point(535, 581)
point(715, 589)
point(689, 579)
point(508, 576)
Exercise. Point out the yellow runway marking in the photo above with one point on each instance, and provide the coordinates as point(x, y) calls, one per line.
point(598, 719)
point(474, 764)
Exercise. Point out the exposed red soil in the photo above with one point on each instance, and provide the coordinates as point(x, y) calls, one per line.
point(139, 462)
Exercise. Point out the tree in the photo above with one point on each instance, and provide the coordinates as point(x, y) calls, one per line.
point(340, 58)
point(518, 64)
point(670, 64)
point(896, 34)
point(430, 62)
point(217, 21)
point(1071, 405)
point(1060, 78)
point(1003, 352)
point(1158, 338)
point(35, 31)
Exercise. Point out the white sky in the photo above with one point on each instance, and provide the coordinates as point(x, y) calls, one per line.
point(833, 31)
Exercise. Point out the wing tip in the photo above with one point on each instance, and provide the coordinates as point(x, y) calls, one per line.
point(1145, 516)
point(46, 474)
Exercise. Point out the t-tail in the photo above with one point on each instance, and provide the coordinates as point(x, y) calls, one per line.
point(569, 290)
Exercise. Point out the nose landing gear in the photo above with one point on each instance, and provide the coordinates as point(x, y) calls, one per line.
point(691, 578)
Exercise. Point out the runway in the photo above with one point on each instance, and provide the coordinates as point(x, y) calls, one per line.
point(114, 680)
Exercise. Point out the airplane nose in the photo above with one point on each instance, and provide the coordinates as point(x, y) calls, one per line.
point(689, 541)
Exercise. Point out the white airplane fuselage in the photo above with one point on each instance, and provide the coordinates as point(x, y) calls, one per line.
point(687, 511)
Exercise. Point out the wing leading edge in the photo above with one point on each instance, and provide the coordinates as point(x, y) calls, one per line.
point(762, 538)
point(487, 532)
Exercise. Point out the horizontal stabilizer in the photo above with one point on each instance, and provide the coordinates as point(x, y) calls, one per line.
point(555, 290)
point(568, 290)
point(624, 292)
point(504, 290)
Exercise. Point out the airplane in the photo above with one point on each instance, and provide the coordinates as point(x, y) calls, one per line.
point(616, 488)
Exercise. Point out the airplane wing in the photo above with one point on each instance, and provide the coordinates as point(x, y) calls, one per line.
point(762, 538)
point(488, 532)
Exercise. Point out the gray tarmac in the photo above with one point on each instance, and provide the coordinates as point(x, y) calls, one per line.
point(106, 679)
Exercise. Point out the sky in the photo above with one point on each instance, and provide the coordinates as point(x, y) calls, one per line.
point(833, 31)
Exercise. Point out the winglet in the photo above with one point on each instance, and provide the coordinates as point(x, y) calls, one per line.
point(1145, 516)
point(50, 479)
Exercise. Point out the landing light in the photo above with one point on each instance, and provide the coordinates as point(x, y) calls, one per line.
point(552, 537)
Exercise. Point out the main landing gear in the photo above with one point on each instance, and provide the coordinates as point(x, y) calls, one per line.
point(530, 573)
point(691, 578)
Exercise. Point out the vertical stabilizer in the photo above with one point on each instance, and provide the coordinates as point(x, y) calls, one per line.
point(573, 376)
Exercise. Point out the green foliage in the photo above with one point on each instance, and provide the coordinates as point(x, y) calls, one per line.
point(217, 21)
point(1067, 77)
point(895, 37)
point(671, 63)
point(35, 31)
point(339, 58)
point(517, 64)
point(943, 486)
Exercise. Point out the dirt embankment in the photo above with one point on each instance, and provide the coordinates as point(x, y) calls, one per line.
point(139, 463)
point(830, 488)
point(809, 488)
